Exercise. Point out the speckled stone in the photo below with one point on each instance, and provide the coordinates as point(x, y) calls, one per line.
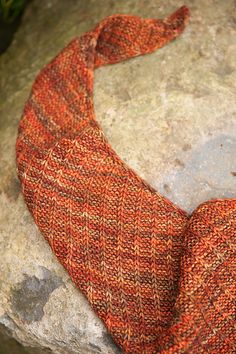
point(171, 116)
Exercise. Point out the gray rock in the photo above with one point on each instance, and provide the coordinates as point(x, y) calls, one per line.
point(171, 116)
point(29, 297)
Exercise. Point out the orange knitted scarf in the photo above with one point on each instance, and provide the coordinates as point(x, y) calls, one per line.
point(161, 280)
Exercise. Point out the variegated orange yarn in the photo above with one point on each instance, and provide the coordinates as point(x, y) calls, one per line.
point(161, 280)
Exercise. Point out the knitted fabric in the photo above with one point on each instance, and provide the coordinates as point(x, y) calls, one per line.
point(161, 280)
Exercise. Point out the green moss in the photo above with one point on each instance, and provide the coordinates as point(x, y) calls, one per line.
point(11, 9)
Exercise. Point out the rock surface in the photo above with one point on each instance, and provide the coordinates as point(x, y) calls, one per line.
point(171, 116)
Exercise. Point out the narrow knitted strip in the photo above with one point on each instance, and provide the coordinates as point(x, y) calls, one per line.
point(162, 281)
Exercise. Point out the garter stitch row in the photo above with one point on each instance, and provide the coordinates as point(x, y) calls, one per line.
point(162, 281)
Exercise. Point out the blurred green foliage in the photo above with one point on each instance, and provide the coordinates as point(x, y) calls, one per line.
point(11, 9)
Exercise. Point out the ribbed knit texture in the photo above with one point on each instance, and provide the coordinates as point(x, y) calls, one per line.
point(161, 280)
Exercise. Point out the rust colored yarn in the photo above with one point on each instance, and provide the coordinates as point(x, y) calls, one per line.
point(161, 280)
